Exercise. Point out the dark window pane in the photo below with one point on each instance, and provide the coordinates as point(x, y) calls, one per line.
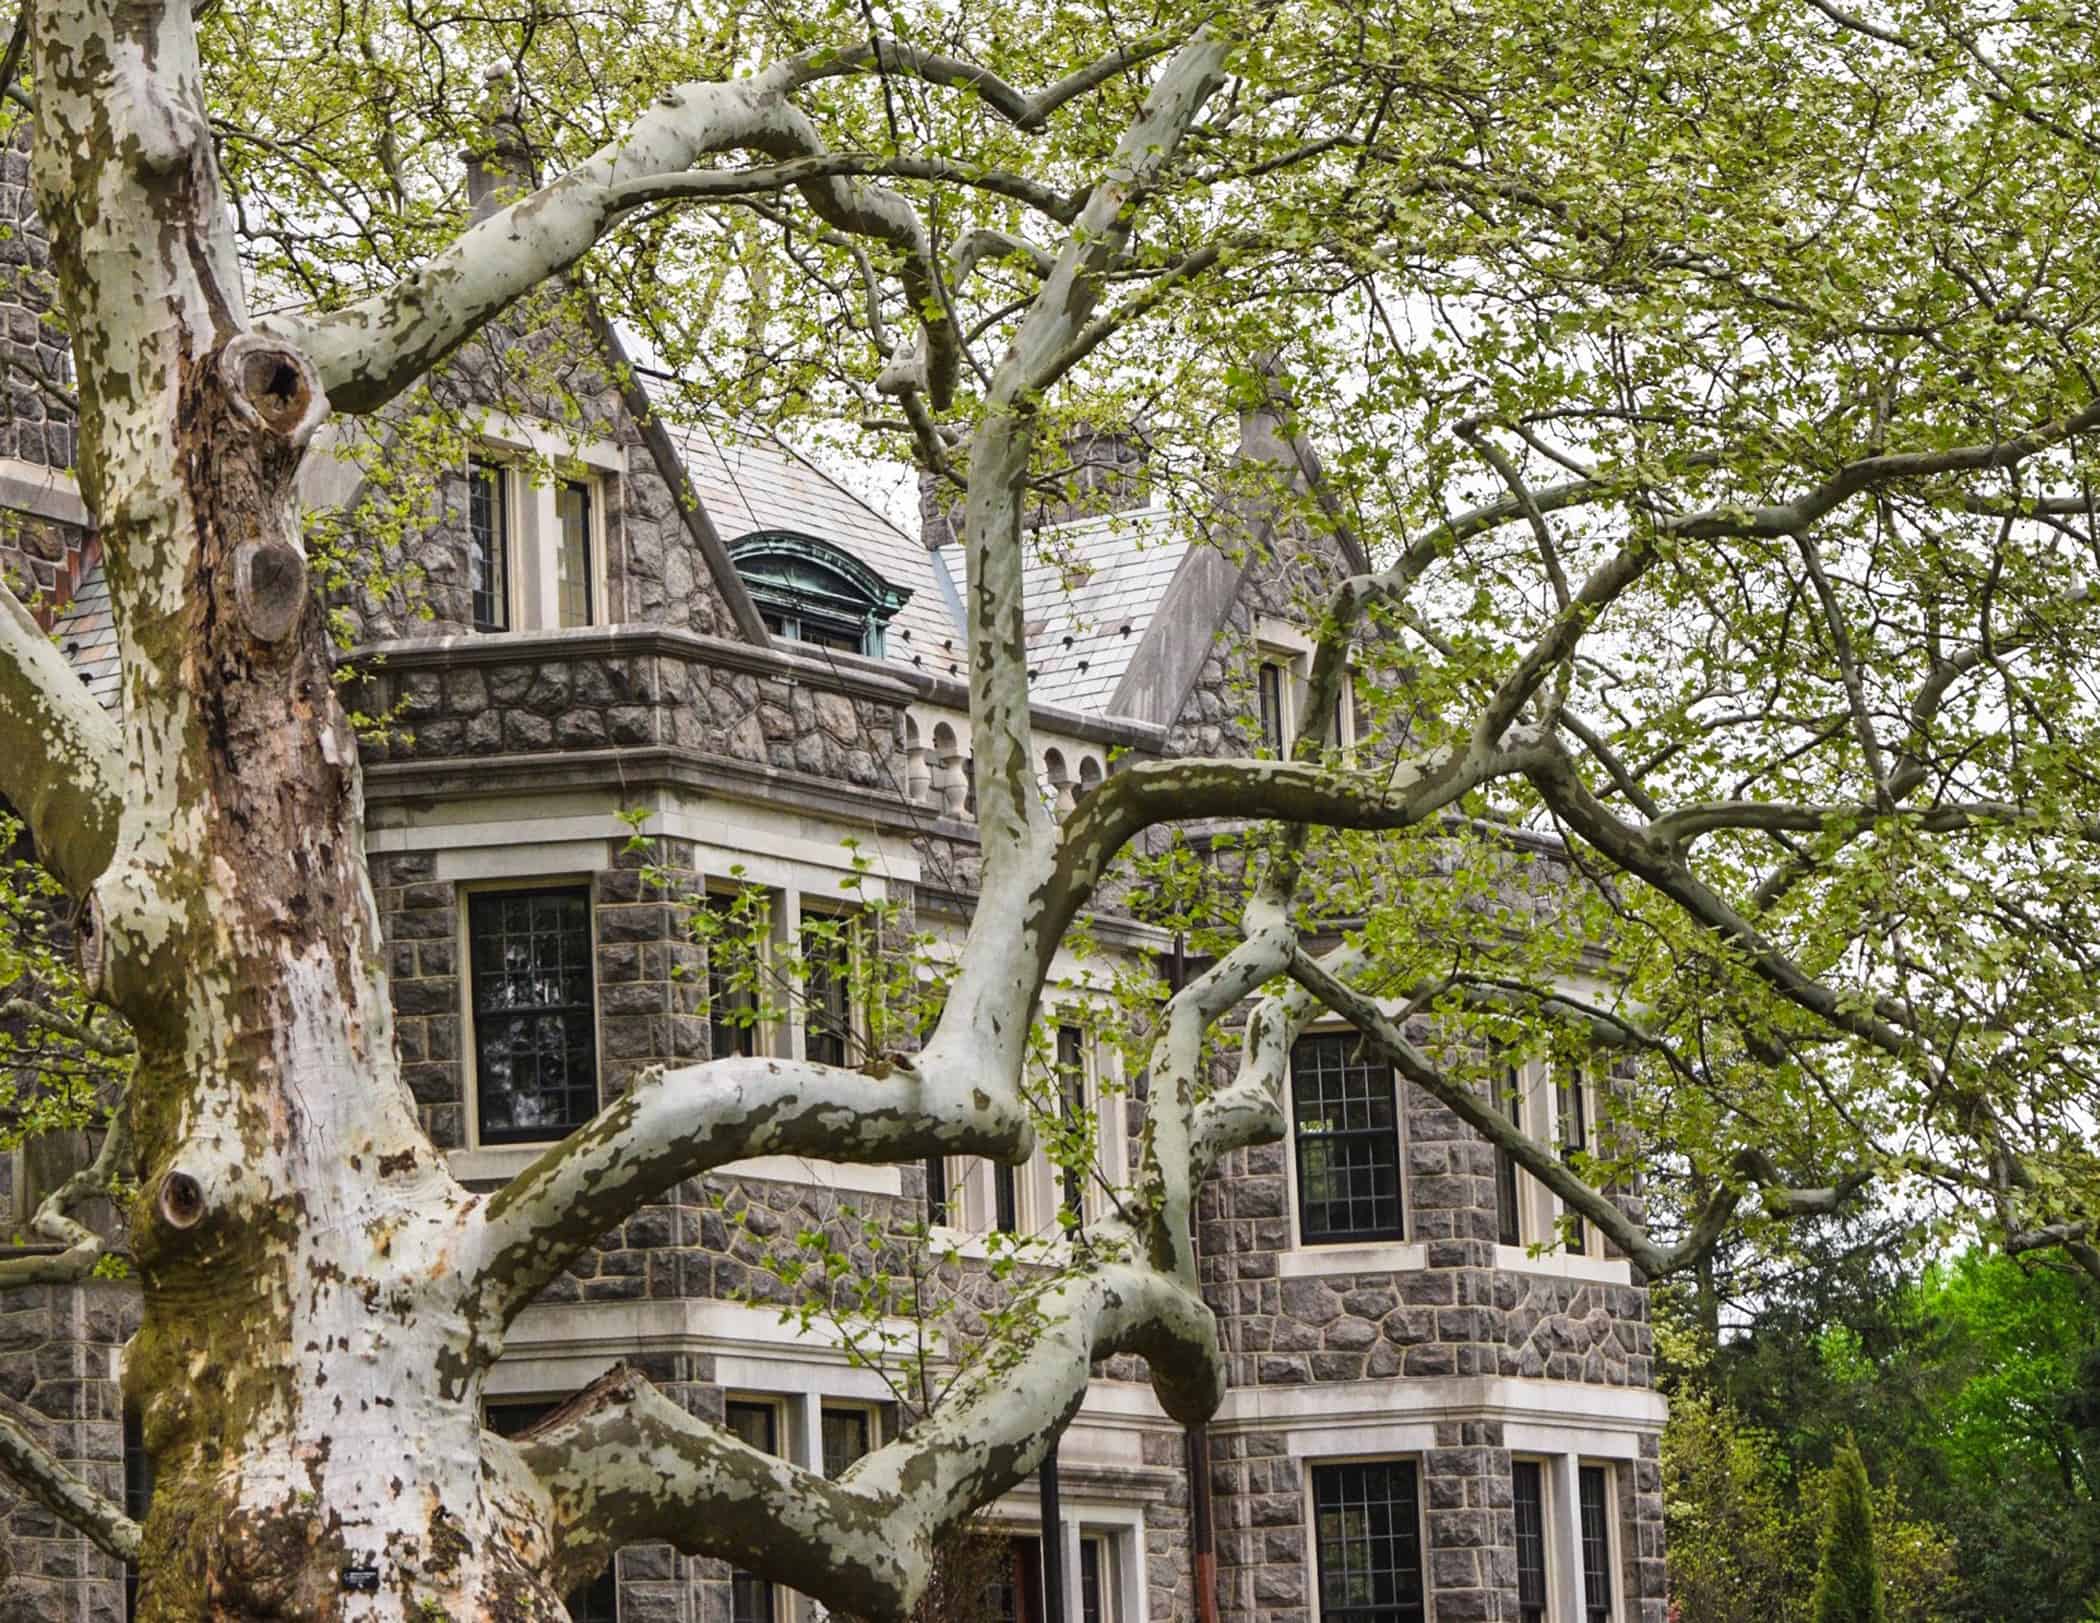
point(1368, 1525)
point(827, 1007)
point(1506, 1205)
point(1574, 1136)
point(572, 559)
point(732, 979)
point(1596, 1545)
point(1269, 691)
point(535, 1030)
point(1093, 1580)
point(937, 1190)
point(1531, 1540)
point(1071, 1089)
point(1006, 1209)
point(138, 1497)
point(488, 546)
point(1348, 1137)
point(750, 1596)
point(848, 1434)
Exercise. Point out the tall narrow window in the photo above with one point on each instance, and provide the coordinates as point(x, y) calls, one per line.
point(1528, 1483)
point(1006, 1207)
point(937, 1196)
point(572, 557)
point(1348, 1137)
point(535, 1028)
point(752, 1598)
point(1097, 1578)
point(1574, 1138)
point(1593, 1483)
point(1368, 1522)
point(1015, 1594)
point(733, 961)
point(599, 1600)
point(138, 1497)
point(1268, 682)
point(488, 545)
point(827, 978)
point(1507, 1212)
point(848, 1434)
point(1071, 1092)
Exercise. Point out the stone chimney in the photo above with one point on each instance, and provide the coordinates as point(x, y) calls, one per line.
point(501, 166)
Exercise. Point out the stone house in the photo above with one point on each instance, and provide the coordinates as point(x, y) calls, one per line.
point(623, 665)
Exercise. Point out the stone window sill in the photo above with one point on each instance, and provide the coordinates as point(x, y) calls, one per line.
point(1386, 1257)
point(1590, 1270)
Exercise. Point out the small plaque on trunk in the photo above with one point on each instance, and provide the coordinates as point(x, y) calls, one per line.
point(361, 1580)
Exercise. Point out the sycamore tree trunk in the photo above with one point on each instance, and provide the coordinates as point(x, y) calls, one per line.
point(304, 1375)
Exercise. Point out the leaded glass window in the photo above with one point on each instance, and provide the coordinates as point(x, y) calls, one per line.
point(535, 1027)
point(1530, 1502)
point(751, 1598)
point(1268, 692)
point(1348, 1137)
point(827, 982)
point(1368, 1522)
point(488, 545)
point(1574, 1138)
point(1594, 1482)
point(848, 1434)
point(572, 555)
point(1508, 1213)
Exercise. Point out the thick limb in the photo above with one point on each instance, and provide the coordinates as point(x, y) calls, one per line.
point(623, 1464)
point(679, 1124)
point(62, 1493)
point(60, 765)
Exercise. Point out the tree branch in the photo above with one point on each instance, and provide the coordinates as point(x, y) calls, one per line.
point(62, 1493)
point(1023, 111)
point(678, 1124)
point(1391, 1042)
point(623, 1464)
point(61, 766)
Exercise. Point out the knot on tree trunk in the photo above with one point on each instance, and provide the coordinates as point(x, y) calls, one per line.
point(273, 388)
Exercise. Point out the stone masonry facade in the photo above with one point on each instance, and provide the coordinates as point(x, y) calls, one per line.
point(1431, 1334)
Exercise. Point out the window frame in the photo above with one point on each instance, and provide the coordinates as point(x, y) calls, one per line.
point(871, 1413)
point(499, 474)
point(1540, 1471)
point(853, 1039)
point(1304, 1237)
point(529, 482)
point(1317, 1544)
point(470, 1038)
point(1605, 1473)
point(592, 583)
point(780, 1420)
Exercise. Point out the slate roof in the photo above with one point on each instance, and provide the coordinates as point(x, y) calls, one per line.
point(749, 484)
point(1093, 586)
point(86, 632)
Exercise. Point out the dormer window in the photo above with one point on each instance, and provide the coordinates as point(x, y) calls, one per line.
point(809, 591)
point(488, 544)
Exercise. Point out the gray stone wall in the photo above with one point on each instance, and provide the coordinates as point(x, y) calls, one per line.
point(572, 691)
point(58, 1348)
point(37, 426)
point(654, 571)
